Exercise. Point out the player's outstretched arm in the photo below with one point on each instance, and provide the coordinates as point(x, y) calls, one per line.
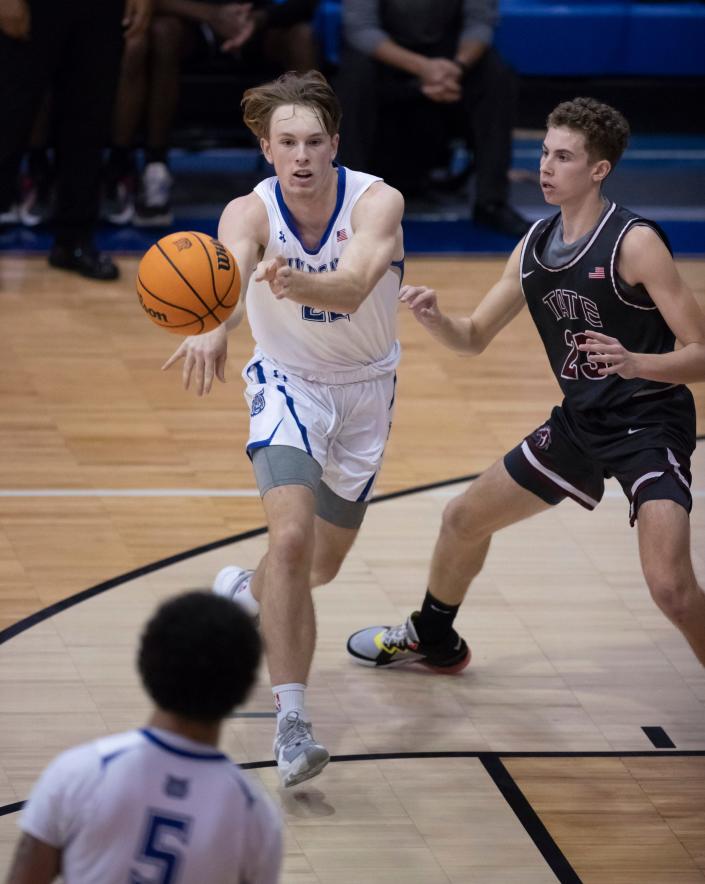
point(35, 862)
point(470, 334)
point(645, 259)
point(243, 229)
point(375, 243)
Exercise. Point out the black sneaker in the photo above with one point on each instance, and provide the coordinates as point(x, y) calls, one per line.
point(84, 259)
point(398, 645)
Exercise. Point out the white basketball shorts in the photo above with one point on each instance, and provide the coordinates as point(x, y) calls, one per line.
point(343, 427)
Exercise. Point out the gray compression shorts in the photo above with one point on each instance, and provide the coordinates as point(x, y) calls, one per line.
point(277, 465)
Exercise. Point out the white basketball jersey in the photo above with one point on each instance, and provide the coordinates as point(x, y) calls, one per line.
point(150, 806)
point(315, 344)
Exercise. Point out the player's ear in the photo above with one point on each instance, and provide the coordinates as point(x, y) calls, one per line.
point(266, 150)
point(334, 142)
point(601, 170)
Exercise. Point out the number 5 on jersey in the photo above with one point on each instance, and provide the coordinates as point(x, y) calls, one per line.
point(159, 849)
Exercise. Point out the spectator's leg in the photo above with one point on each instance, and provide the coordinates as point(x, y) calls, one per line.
point(170, 38)
point(357, 87)
point(84, 95)
point(292, 49)
point(131, 91)
point(489, 99)
point(489, 96)
point(38, 181)
point(25, 71)
point(120, 173)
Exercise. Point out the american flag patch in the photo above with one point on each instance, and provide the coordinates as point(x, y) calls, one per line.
point(597, 273)
point(340, 235)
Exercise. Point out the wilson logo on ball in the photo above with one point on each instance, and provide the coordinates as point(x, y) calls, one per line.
point(188, 283)
point(153, 314)
point(222, 254)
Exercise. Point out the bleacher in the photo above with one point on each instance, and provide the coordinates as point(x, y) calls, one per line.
point(574, 38)
point(632, 38)
point(638, 54)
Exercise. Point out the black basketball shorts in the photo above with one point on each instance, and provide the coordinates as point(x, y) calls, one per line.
point(645, 446)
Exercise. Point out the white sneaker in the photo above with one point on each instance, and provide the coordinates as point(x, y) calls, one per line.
point(153, 204)
point(230, 582)
point(299, 756)
point(10, 215)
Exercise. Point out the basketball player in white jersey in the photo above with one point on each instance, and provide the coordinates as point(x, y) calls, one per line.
point(327, 246)
point(162, 803)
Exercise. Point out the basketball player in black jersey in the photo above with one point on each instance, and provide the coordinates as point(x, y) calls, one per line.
point(609, 303)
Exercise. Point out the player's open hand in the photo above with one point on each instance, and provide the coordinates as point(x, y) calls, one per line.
point(277, 273)
point(204, 359)
point(610, 354)
point(423, 303)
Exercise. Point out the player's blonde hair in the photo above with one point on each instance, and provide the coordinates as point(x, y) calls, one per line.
point(310, 90)
point(605, 129)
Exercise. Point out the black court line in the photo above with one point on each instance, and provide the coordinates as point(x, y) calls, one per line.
point(659, 737)
point(503, 780)
point(12, 808)
point(490, 760)
point(530, 820)
point(45, 613)
point(253, 715)
point(85, 594)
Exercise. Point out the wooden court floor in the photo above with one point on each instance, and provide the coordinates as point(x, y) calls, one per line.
point(534, 765)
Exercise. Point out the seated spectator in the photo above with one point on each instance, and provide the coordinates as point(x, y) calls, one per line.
point(74, 48)
point(276, 34)
point(427, 69)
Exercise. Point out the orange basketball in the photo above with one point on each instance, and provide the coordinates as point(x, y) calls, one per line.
point(188, 283)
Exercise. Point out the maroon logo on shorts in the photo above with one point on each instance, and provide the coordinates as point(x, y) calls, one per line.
point(542, 437)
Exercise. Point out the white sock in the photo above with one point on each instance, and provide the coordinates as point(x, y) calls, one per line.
point(245, 599)
point(289, 698)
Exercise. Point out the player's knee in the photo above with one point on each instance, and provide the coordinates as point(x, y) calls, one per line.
point(459, 519)
point(324, 571)
point(290, 546)
point(673, 594)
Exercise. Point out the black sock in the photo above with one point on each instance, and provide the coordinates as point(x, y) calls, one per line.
point(121, 161)
point(38, 162)
point(155, 155)
point(435, 622)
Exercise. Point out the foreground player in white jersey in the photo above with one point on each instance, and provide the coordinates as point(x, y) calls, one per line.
point(322, 307)
point(161, 803)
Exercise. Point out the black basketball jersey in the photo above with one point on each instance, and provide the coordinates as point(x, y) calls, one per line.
point(587, 293)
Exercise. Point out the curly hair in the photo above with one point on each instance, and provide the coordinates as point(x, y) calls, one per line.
point(310, 90)
point(198, 656)
point(605, 130)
